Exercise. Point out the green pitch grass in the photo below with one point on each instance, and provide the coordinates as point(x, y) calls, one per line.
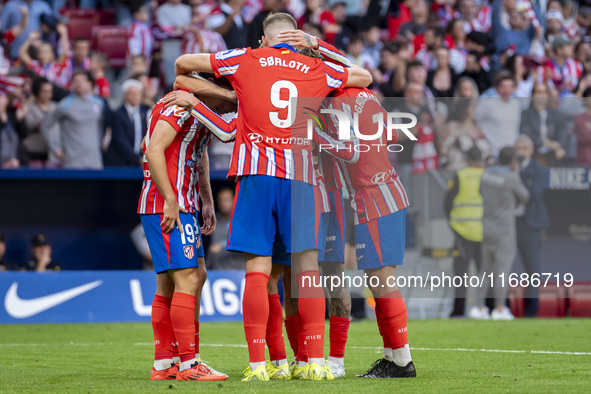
point(117, 358)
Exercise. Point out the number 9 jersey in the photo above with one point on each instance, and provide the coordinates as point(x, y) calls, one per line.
point(270, 138)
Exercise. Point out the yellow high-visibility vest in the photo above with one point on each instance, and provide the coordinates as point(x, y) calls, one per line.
point(466, 213)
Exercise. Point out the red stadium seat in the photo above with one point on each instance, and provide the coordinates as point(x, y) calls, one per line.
point(552, 301)
point(516, 301)
point(112, 41)
point(579, 299)
point(81, 22)
point(108, 16)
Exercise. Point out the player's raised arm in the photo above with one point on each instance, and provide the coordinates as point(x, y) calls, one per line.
point(358, 77)
point(201, 86)
point(193, 62)
point(342, 150)
point(224, 130)
point(160, 140)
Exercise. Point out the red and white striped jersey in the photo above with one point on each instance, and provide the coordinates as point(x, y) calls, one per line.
point(140, 40)
point(182, 158)
point(55, 72)
point(564, 77)
point(268, 82)
point(374, 187)
point(212, 42)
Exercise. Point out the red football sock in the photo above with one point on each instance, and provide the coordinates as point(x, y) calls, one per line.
point(393, 316)
point(385, 338)
point(162, 326)
point(339, 328)
point(255, 314)
point(182, 315)
point(196, 337)
point(291, 326)
point(302, 344)
point(311, 305)
point(274, 336)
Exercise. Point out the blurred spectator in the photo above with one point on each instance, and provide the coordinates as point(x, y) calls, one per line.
point(463, 205)
point(255, 30)
point(473, 69)
point(457, 50)
point(41, 107)
point(339, 12)
point(5, 265)
point(12, 14)
point(357, 55)
point(459, 135)
point(8, 36)
point(372, 45)
point(442, 80)
point(520, 33)
point(218, 258)
point(80, 117)
point(80, 58)
point(172, 17)
point(466, 88)
point(12, 130)
point(98, 64)
point(129, 127)
point(46, 65)
point(315, 14)
point(554, 22)
point(389, 61)
point(140, 39)
point(532, 219)
point(200, 40)
point(499, 117)
point(521, 68)
point(473, 18)
point(544, 125)
point(502, 191)
point(563, 69)
point(426, 44)
point(228, 21)
point(583, 132)
point(41, 260)
point(418, 24)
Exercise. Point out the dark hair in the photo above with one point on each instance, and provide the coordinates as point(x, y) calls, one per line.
point(503, 75)
point(38, 84)
point(392, 47)
point(414, 63)
point(222, 82)
point(78, 39)
point(87, 74)
point(474, 155)
point(450, 26)
point(506, 156)
point(587, 92)
point(279, 17)
point(136, 7)
point(476, 54)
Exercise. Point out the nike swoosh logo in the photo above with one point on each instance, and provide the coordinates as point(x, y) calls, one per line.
point(328, 250)
point(359, 258)
point(21, 309)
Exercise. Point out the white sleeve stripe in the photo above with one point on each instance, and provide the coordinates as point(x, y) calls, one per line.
point(334, 56)
point(335, 67)
point(333, 82)
point(230, 70)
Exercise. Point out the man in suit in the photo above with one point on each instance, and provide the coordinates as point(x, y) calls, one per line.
point(533, 218)
point(544, 125)
point(129, 127)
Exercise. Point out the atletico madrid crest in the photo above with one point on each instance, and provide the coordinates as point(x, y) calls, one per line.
point(189, 253)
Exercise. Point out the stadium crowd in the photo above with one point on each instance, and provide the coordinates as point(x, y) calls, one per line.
point(56, 78)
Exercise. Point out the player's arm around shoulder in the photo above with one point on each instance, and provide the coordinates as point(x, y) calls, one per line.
point(358, 77)
point(162, 136)
point(199, 62)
